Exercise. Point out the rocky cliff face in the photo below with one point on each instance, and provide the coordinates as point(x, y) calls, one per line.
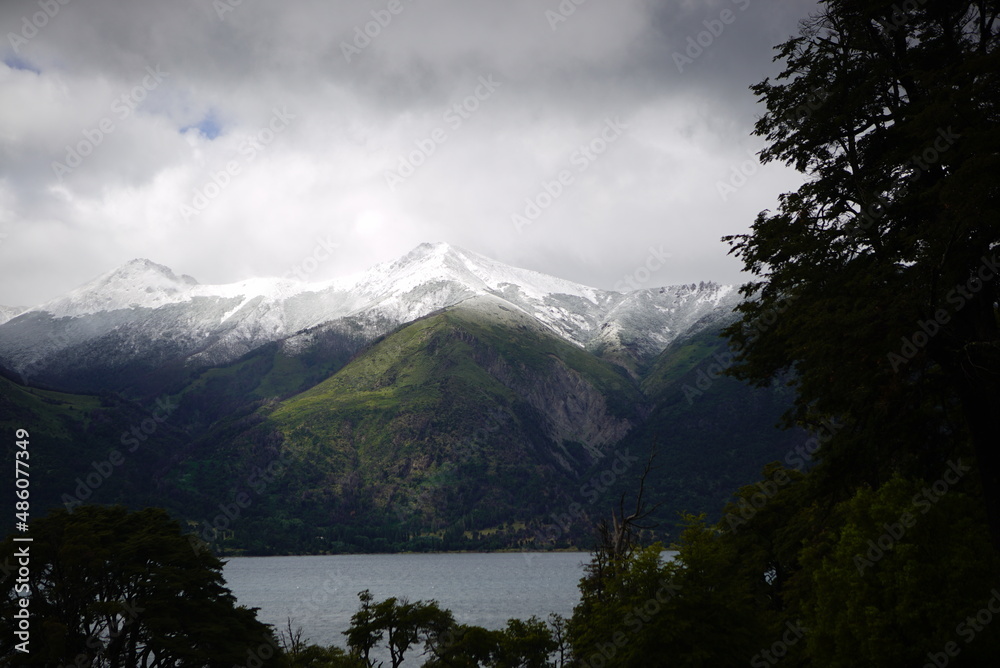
point(574, 410)
point(505, 403)
point(472, 428)
point(570, 408)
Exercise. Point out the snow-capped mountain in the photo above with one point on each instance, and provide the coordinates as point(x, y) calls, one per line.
point(142, 313)
point(8, 312)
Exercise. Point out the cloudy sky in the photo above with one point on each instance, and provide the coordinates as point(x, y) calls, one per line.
point(239, 138)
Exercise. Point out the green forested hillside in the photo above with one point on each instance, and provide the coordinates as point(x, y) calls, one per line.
point(711, 433)
point(92, 449)
point(472, 428)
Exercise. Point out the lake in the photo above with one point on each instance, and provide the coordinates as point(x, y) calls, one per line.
point(320, 593)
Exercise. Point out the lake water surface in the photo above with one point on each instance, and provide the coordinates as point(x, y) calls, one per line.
point(320, 593)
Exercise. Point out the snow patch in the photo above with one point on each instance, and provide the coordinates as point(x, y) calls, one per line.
point(154, 303)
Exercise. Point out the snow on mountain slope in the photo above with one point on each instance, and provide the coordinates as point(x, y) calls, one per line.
point(139, 283)
point(146, 285)
point(143, 311)
point(434, 276)
point(8, 312)
point(646, 321)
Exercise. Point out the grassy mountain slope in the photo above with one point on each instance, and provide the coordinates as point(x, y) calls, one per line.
point(711, 433)
point(473, 427)
point(95, 449)
point(206, 396)
point(469, 419)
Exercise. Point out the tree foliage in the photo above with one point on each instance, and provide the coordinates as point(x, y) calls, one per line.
point(110, 587)
point(876, 291)
point(887, 577)
point(877, 281)
point(397, 625)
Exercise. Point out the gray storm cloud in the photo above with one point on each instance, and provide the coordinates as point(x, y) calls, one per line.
point(224, 138)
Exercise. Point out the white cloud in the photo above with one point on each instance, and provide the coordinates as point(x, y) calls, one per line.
point(324, 173)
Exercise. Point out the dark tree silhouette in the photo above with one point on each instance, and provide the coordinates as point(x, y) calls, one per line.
point(878, 280)
point(114, 588)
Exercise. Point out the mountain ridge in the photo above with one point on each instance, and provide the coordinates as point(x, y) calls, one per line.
point(472, 426)
point(143, 314)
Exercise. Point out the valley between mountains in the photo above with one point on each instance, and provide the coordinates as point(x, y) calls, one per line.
point(442, 401)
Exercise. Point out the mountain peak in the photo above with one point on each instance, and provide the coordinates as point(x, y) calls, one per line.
point(435, 246)
point(141, 266)
point(434, 250)
point(138, 282)
point(10, 312)
point(144, 262)
point(143, 306)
